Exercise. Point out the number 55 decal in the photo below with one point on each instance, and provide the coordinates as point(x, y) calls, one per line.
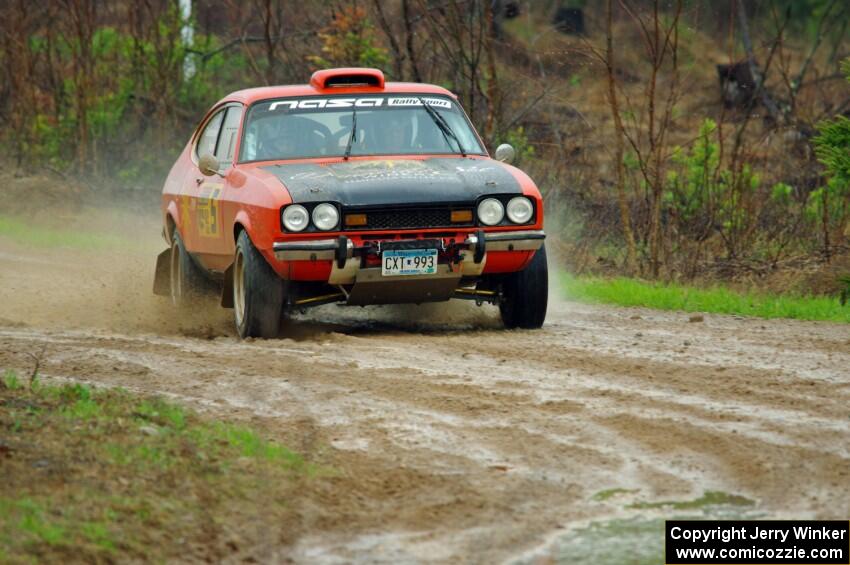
point(209, 212)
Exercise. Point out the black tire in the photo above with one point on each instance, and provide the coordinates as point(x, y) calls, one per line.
point(258, 292)
point(525, 294)
point(186, 279)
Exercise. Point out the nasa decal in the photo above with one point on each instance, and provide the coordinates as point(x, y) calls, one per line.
point(329, 103)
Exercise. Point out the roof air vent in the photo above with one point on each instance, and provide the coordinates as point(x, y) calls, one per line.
point(347, 78)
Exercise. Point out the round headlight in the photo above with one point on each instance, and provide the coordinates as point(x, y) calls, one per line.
point(490, 212)
point(295, 217)
point(325, 216)
point(520, 210)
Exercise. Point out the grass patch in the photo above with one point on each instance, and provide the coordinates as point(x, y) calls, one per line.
point(30, 233)
point(95, 475)
point(11, 381)
point(708, 498)
point(720, 300)
point(636, 541)
point(606, 494)
point(639, 538)
point(247, 442)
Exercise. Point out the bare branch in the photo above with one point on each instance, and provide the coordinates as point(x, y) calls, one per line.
point(758, 76)
point(625, 213)
point(398, 55)
point(37, 358)
point(795, 85)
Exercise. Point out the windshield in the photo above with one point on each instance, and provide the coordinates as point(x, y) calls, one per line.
point(294, 128)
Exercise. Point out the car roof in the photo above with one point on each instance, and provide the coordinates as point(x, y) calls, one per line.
point(348, 80)
point(251, 95)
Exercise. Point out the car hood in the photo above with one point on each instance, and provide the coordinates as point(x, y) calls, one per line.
point(395, 181)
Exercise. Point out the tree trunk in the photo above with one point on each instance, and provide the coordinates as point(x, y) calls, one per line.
point(82, 14)
point(493, 101)
point(408, 32)
point(270, 37)
point(755, 70)
point(825, 220)
point(619, 149)
point(398, 55)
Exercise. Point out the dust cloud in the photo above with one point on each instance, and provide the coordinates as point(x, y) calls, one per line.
point(92, 268)
point(74, 262)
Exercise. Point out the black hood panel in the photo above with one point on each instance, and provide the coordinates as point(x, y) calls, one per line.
point(395, 181)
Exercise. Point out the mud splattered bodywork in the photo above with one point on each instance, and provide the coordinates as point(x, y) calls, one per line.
point(399, 182)
point(354, 191)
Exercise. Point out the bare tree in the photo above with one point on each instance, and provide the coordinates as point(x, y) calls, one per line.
point(619, 145)
point(408, 40)
point(82, 15)
point(755, 69)
point(459, 29)
point(648, 136)
point(398, 54)
point(18, 69)
point(271, 17)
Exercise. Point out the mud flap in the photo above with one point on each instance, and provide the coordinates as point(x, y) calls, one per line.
point(227, 288)
point(162, 276)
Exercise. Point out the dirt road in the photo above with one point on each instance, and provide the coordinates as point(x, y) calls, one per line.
point(456, 440)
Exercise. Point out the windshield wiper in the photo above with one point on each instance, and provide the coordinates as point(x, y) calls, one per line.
point(442, 125)
point(353, 132)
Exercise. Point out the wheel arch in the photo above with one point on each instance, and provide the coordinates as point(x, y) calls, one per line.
point(242, 222)
point(238, 228)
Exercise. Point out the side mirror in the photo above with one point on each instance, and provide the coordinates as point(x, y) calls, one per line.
point(505, 153)
point(209, 165)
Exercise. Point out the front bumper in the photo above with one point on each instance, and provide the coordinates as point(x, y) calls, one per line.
point(342, 248)
point(466, 258)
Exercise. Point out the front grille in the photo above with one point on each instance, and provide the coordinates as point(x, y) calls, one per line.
point(407, 219)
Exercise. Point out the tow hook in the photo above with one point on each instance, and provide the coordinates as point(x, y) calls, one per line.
point(341, 251)
point(480, 246)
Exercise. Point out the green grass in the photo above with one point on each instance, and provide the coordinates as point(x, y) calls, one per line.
point(11, 381)
point(708, 498)
point(162, 413)
point(720, 300)
point(604, 495)
point(38, 235)
point(93, 475)
point(638, 538)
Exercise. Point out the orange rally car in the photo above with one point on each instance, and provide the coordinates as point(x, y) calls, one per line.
point(350, 190)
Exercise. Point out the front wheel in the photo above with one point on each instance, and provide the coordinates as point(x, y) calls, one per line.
point(525, 294)
point(257, 292)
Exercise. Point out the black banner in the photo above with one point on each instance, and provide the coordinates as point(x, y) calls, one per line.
point(763, 542)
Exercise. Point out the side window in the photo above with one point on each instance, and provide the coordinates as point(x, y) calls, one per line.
point(227, 139)
point(206, 143)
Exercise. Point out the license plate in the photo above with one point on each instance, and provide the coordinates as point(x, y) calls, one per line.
point(408, 262)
